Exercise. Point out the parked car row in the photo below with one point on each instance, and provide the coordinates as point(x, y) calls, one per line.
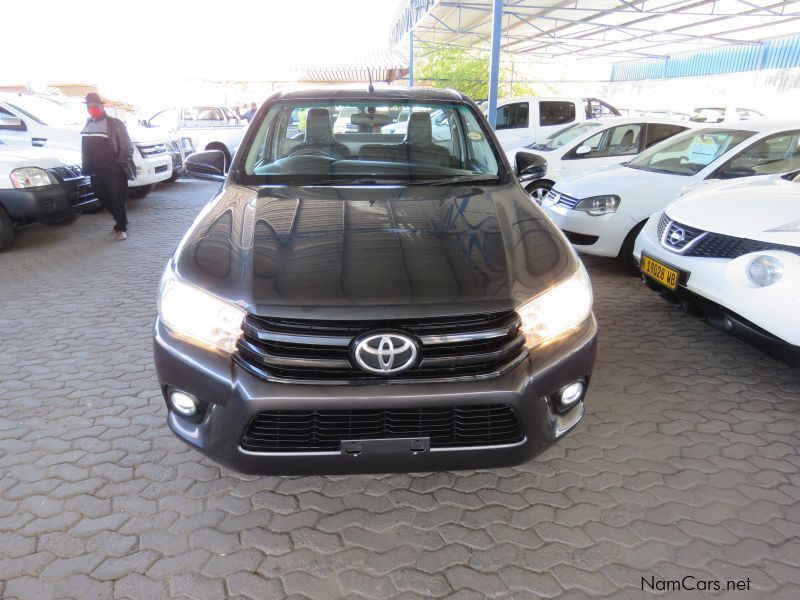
point(709, 215)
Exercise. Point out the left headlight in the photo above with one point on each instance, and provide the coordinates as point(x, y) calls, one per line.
point(764, 270)
point(559, 310)
point(599, 205)
point(198, 316)
point(28, 177)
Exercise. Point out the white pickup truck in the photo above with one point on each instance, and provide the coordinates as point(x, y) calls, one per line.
point(39, 185)
point(523, 121)
point(208, 127)
point(39, 122)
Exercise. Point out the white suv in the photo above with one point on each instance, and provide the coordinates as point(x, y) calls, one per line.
point(731, 252)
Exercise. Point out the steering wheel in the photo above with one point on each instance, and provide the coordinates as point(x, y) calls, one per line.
point(307, 152)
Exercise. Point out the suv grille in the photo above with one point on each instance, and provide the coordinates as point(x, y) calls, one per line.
point(717, 245)
point(317, 351)
point(71, 172)
point(679, 237)
point(151, 149)
point(321, 430)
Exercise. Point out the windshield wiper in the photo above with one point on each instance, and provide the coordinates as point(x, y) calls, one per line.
point(455, 180)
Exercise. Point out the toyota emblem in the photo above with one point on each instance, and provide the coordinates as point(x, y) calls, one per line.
point(677, 236)
point(385, 353)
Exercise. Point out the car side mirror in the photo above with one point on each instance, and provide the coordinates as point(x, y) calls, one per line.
point(210, 165)
point(529, 166)
point(583, 150)
point(12, 123)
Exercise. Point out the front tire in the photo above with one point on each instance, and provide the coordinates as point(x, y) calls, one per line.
point(140, 192)
point(538, 190)
point(626, 252)
point(6, 230)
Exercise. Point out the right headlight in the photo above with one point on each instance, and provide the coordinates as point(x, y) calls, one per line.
point(197, 316)
point(28, 177)
point(557, 311)
point(764, 270)
point(599, 205)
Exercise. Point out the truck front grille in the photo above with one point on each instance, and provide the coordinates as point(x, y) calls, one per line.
point(317, 351)
point(324, 430)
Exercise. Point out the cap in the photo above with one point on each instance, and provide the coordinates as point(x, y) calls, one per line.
point(93, 98)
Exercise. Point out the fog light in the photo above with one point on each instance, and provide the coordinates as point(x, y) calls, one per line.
point(183, 403)
point(572, 393)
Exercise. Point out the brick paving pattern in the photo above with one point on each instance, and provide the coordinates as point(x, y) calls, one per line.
point(685, 464)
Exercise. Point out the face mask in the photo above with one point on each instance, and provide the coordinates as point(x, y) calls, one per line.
point(95, 112)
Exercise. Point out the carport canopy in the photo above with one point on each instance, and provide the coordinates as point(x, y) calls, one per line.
point(590, 29)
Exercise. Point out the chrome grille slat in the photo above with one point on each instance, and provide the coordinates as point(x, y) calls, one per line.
point(318, 351)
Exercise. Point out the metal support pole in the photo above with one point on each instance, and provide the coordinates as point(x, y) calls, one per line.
point(411, 58)
point(494, 65)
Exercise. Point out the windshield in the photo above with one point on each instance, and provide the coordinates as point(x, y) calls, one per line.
point(363, 142)
point(689, 153)
point(565, 136)
point(44, 111)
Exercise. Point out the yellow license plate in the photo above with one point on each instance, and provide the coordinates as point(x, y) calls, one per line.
point(661, 273)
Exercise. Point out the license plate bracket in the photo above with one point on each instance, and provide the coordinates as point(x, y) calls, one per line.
point(413, 445)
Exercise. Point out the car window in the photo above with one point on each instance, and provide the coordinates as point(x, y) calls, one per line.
point(597, 109)
point(708, 115)
point(165, 118)
point(439, 141)
point(513, 116)
point(658, 132)
point(690, 152)
point(615, 141)
point(777, 153)
point(565, 136)
point(553, 112)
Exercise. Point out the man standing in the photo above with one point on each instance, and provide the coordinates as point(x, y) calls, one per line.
point(108, 159)
point(251, 113)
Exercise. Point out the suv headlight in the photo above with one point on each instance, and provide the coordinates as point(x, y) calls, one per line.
point(599, 205)
point(764, 270)
point(198, 316)
point(558, 310)
point(28, 177)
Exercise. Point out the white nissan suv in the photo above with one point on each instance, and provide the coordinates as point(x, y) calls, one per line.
point(731, 253)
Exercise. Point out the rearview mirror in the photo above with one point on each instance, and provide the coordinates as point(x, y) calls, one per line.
point(529, 166)
point(583, 149)
point(210, 165)
point(11, 123)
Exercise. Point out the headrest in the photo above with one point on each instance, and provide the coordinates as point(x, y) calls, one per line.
point(419, 128)
point(319, 129)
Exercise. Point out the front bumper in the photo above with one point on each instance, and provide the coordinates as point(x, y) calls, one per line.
point(152, 169)
point(718, 290)
point(600, 236)
point(29, 204)
point(233, 397)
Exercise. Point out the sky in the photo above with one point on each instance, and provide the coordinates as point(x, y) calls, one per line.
point(150, 47)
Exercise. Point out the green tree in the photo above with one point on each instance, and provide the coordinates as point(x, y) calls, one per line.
point(466, 70)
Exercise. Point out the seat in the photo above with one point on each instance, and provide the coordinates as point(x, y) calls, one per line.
point(319, 135)
point(419, 144)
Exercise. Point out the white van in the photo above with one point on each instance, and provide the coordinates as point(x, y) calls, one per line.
point(41, 123)
point(522, 121)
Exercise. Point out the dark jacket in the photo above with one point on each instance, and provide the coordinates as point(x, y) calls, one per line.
point(121, 144)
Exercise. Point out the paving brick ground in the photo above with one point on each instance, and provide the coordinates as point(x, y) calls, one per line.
point(686, 462)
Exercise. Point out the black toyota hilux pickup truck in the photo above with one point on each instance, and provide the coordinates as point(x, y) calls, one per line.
point(373, 300)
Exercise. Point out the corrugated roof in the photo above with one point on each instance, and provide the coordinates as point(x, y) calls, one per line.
point(385, 65)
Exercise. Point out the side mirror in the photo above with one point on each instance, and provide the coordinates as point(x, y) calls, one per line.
point(529, 166)
point(208, 165)
point(11, 123)
point(583, 150)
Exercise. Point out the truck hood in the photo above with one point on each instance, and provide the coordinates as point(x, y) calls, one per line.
point(391, 251)
point(619, 179)
point(16, 156)
point(762, 208)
